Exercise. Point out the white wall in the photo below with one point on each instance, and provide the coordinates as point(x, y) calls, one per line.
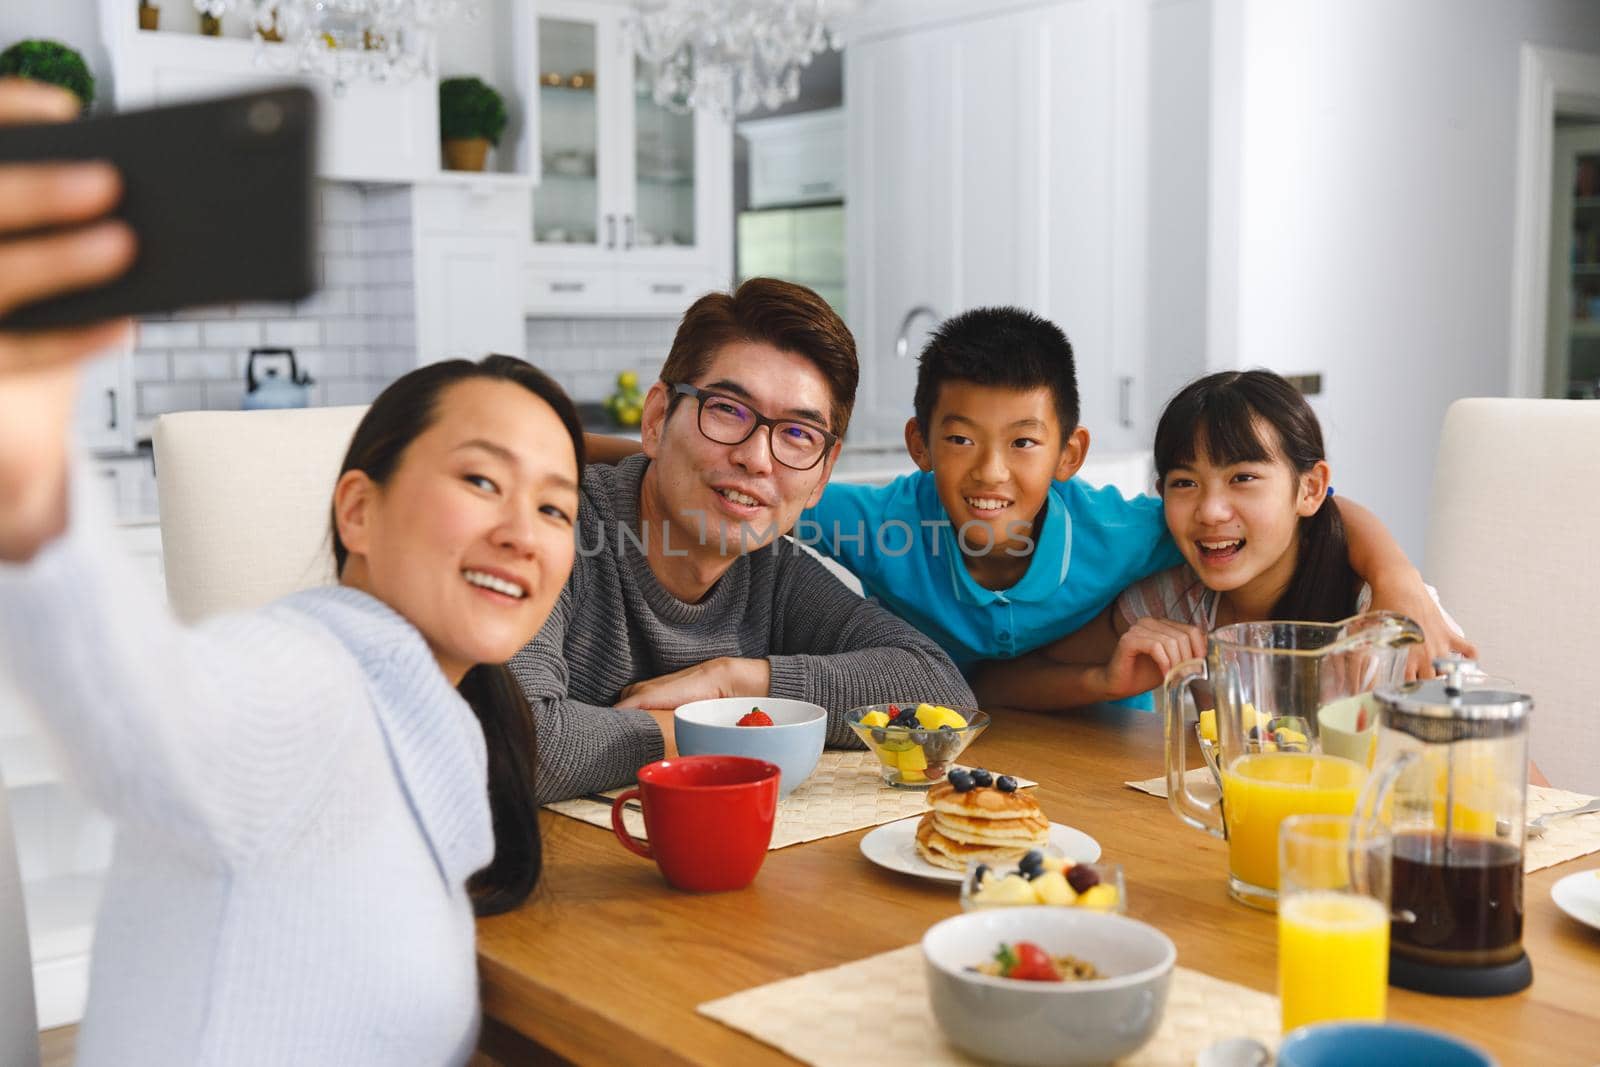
point(1367, 150)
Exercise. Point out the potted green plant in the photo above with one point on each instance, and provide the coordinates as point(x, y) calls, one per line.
point(149, 16)
point(50, 61)
point(472, 116)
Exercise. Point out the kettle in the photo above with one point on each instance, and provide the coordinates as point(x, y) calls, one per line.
point(270, 391)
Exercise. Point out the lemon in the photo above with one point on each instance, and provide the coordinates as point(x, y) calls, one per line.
point(629, 414)
point(628, 381)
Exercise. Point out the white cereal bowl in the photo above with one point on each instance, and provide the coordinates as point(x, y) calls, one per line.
point(794, 740)
point(1048, 1024)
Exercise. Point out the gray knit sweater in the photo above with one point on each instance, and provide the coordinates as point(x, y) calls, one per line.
point(615, 625)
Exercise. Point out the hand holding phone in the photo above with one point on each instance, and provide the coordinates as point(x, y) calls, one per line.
point(54, 236)
point(218, 192)
point(38, 376)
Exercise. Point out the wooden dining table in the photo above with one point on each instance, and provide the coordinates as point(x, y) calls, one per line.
point(606, 963)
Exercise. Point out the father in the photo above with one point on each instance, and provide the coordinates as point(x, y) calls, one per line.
point(685, 587)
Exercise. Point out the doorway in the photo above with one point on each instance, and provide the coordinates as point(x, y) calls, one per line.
point(1555, 312)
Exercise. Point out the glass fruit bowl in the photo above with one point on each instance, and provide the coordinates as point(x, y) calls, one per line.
point(1055, 880)
point(915, 756)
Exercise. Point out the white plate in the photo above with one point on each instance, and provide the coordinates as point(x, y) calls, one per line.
point(894, 845)
point(1578, 895)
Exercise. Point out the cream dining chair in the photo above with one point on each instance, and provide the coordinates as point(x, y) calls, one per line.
point(245, 499)
point(1514, 547)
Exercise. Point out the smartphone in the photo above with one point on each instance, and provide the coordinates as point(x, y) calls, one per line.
point(220, 194)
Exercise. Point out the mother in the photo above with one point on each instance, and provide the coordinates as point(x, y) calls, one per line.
point(308, 813)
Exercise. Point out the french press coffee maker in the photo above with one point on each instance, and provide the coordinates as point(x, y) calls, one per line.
point(1451, 780)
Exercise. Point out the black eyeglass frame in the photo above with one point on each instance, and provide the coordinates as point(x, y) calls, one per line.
point(700, 396)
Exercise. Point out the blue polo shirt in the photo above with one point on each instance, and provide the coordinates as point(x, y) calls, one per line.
point(899, 541)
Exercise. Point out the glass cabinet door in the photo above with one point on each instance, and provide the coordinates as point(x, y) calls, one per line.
point(663, 172)
point(566, 204)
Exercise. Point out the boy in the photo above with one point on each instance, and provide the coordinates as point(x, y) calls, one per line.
point(991, 548)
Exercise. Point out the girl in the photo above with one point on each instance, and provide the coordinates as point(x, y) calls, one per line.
point(1244, 483)
point(314, 798)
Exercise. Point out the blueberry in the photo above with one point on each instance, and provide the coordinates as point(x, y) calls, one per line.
point(1031, 873)
point(1033, 860)
point(977, 874)
point(1006, 784)
point(919, 737)
point(960, 780)
point(879, 737)
point(1081, 877)
point(982, 777)
point(947, 726)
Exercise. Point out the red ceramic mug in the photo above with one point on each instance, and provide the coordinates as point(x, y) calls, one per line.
point(709, 819)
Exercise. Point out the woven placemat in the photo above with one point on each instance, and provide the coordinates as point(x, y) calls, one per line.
point(838, 1016)
point(1201, 784)
point(846, 792)
point(1567, 839)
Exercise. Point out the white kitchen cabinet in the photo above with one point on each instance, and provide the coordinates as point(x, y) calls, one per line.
point(626, 187)
point(796, 159)
point(469, 243)
point(994, 157)
point(367, 132)
point(105, 413)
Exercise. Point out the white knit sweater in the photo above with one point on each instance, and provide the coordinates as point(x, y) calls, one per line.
point(299, 798)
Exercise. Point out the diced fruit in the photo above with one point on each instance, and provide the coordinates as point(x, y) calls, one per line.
point(1082, 877)
point(1287, 736)
point(982, 777)
point(912, 776)
point(888, 758)
point(1100, 897)
point(1012, 889)
point(1033, 859)
point(934, 716)
point(1208, 725)
point(913, 759)
point(896, 743)
point(756, 717)
point(1006, 784)
point(874, 718)
point(1051, 888)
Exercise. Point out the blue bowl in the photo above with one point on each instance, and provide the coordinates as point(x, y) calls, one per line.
point(794, 740)
point(1377, 1045)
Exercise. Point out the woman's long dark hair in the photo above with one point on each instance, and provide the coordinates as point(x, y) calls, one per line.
point(1223, 415)
point(401, 414)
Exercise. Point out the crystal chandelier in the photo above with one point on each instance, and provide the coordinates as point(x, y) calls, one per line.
point(732, 56)
point(346, 40)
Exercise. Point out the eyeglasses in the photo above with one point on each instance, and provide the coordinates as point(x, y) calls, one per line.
point(797, 445)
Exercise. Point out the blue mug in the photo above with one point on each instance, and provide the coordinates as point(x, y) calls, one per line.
point(1377, 1045)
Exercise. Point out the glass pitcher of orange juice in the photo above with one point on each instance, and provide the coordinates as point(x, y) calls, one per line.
point(1270, 682)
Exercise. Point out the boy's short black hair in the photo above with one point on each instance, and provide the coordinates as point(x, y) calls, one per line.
point(1009, 347)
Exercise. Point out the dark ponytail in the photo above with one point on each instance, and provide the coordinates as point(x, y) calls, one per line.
point(1222, 415)
point(401, 414)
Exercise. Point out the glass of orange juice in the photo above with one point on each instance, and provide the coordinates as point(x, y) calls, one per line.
point(1333, 919)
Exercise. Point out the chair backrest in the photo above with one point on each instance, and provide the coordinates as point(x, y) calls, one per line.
point(19, 1024)
point(245, 499)
point(1514, 548)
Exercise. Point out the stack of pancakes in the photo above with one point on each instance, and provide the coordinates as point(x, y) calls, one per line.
point(983, 824)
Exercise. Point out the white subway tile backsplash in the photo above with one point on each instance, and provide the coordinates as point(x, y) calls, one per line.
point(294, 333)
point(344, 331)
point(549, 332)
point(359, 391)
point(337, 238)
point(277, 310)
point(151, 367)
point(167, 335)
point(160, 398)
point(236, 334)
point(343, 270)
point(205, 366)
point(323, 363)
point(341, 203)
point(224, 396)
